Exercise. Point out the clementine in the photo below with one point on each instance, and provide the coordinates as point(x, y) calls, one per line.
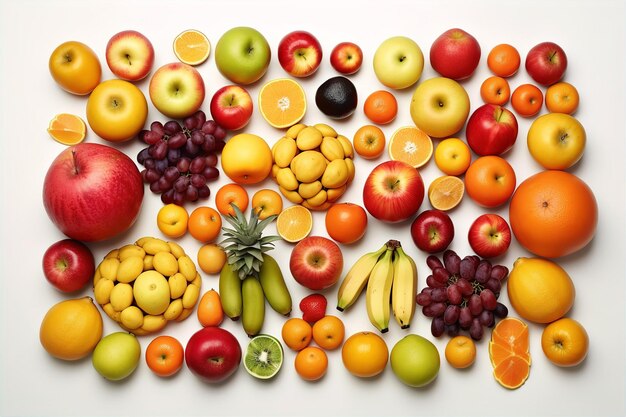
point(490, 181)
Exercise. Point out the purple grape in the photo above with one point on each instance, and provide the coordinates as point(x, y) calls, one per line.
point(427, 290)
point(209, 127)
point(220, 133)
point(155, 187)
point(453, 329)
point(454, 294)
point(151, 175)
point(161, 165)
point(434, 309)
point(168, 197)
point(197, 165)
point(210, 173)
point(433, 262)
point(211, 160)
point(149, 163)
point(171, 127)
point(219, 145)
point(152, 138)
point(465, 317)
point(191, 148)
point(441, 274)
point(483, 272)
point(433, 283)
point(171, 174)
point(173, 155)
point(142, 156)
point(499, 272)
point(197, 180)
point(451, 315)
point(489, 300)
point(191, 194)
point(437, 327)
point(197, 137)
point(159, 150)
point(177, 140)
point(183, 164)
point(465, 286)
point(467, 268)
point(178, 198)
point(476, 329)
point(423, 299)
point(209, 143)
point(157, 127)
point(204, 192)
point(475, 305)
point(439, 295)
point(501, 311)
point(494, 285)
point(486, 318)
point(191, 123)
point(164, 184)
point(451, 261)
point(181, 184)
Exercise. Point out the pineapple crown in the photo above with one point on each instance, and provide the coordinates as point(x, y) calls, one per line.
point(245, 244)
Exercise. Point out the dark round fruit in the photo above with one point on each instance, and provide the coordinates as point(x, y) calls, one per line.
point(336, 97)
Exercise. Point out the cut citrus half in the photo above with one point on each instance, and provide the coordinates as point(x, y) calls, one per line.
point(512, 333)
point(499, 352)
point(264, 356)
point(411, 145)
point(67, 129)
point(294, 223)
point(192, 47)
point(282, 102)
point(446, 192)
point(512, 372)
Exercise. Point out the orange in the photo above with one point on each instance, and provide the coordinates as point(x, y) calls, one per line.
point(165, 355)
point(211, 258)
point(210, 312)
point(512, 372)
point(294, 223)
point(460, 352)
point(527, 100)
point(231, 193)
point(381, 107)
point(553, 213)
point(562, 98)
point(192, 47)
point(453, 156)
point(365, 354)
point(296, 333)
point(411, 145)
point(499, 352)
point(445, 193)
point(346, 222)
point(311, 363)
point(328, 332)
point(495, 90)
point(67, 129)
point(503, 60)
point(247, 159)
point(172, 220)
point(282, 102)
point(369, 142)
point(267, 203)
point(511, 334)
point(565, 342)
point(490, 181)
point(204, 224)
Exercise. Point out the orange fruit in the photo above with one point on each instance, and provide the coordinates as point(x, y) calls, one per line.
point(503, 60)
point(381, 107)
point(172, 220)
point(512, 372)
point(411, 145)
point(499, 352)
point(192, 47)
point(294, 223)
point(311, 363)
point(527, 100)
point(369, 142)
point(460, 352)
point(553, 214)
point(231, 193)
point(365, 354)
point(446, 192)
point(346, 222)
point(205, 224)
point(490, 181)
point(211, 258)
point(565, 342)
point(247, 159)
point(210, 312)
point(282, 102)
point(328, 332)
point(511, 334)
point(562, 97)
point(296, 333)
point(165, 355)
point(67, 129)
point(453, 156)
point(495, 90)
point(267, 203)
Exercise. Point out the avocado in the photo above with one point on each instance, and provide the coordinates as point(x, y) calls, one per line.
point(336, 97)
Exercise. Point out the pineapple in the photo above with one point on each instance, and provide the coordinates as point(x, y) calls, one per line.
point(244, 244)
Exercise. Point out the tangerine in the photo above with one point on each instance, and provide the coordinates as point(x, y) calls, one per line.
point(365, 354)
point(562, 97)
point(267, 203)
point(503, 60)
point(165, 355)
point(527, 100)
point(211, 258)
point(231, 193)
point(369, 141)
point(296, 333)
point(346, 222)
point(565, 342)
point(204, 224)
point(490, 181)
point(381, 107)
point(460, 352)
point(328, 332)
point(495, 90)
point(311, 363)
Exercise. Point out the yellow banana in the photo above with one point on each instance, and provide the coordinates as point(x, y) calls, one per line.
point(253, 313)
point(404, 288)
point(356, 279)
point(378, 293)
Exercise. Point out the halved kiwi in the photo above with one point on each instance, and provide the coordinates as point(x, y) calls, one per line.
point(263, 357)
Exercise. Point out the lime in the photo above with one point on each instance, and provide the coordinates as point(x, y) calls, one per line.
point(263, 357)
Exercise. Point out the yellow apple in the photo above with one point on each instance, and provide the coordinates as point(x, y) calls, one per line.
point(556, 140)
point(75, 67)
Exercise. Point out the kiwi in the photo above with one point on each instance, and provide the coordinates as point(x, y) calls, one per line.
point(337, 97)
point(264, 356)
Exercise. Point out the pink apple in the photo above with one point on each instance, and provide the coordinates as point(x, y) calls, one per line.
point(68, 265)
point(346, 58)
point(432, 231)
point(316, 262)
point(491, 130)
point(455, 54)
point(130, 55)
point(92, 192)
point(213, 354)
point(231, 107)
point(489, 236)
point(299, 53)
point(393, 191)
point(546, 63)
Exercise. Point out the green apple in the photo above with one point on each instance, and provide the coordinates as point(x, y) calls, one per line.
point(440, 107)
point(415, 360)
point(398, 62)
point(116, 356)
point(242, 55)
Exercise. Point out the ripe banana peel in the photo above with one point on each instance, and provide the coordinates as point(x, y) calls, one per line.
point(404, 288)
point(356, 279)
point(378, 293)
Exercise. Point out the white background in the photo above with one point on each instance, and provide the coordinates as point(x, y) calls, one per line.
point(33, 383)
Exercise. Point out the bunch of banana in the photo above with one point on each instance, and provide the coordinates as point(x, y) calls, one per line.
point(389, 274)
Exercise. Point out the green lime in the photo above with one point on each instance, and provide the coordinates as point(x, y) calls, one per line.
point(263, 357)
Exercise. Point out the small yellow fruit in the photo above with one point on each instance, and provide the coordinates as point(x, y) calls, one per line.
point(152, 292)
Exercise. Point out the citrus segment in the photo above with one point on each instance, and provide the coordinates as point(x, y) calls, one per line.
point(446, 192)
point(512, 372)
point(512, 334)
point(411, 145)
point(294, 223)
point(67, 129)
point(282, 102)
point(192, 47)
point(499, 352)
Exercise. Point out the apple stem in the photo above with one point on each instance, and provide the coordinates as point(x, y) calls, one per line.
point(75, 162)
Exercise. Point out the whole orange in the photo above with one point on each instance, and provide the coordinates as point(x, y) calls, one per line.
point(247, 159)
point(231, 193)
point(204, 224)
point(328, 332)
point(296, 333)
point(165, 355)
point(381, 107)
point(311, 363)
point(346, 222)
point(365, 354)
point(369, 141)
point(565, 342)
point(490, 181)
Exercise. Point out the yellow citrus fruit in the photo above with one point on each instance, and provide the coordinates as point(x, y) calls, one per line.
point(247, 159)
point(67, 129)
point(294, 223)
point(365, 354)
point(192, 47)
point(411, 145)
point(453, 156)
point(282, 102)
point(446, 192)
point(460, 352)
point(565, 342)
point(211, 258)
point(172, 220)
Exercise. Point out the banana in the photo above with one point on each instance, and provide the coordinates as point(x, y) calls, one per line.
point(253, 313)
point(404, 288)
point(378, 293)
point(230, 292)
point(356, 279)
point(274, 286)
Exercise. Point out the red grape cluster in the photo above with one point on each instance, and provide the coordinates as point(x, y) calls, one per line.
point(462, 294)
point(181, 159)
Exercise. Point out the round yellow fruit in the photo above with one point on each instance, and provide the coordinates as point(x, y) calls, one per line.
point(172, 220)
point(453, 156)
point(211, 258)
point(556, 140)
point(75, 67)
point(247, 159)
point(152, 292)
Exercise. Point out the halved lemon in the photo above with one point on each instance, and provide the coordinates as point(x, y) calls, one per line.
point(67, 129)
point(192, 47)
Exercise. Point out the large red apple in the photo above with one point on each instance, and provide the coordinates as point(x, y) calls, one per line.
point(92, 192)
point(68, 265)
point(432, 231)
point(455, 54)
point(213, 354)
point(299, 53)
point(489, 236)
point(491, 130)
point(393, 191)
point(316, 262)
point(546, 63)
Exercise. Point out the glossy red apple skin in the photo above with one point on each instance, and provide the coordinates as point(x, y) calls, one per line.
point(489, 236)
point(299, 53)
point(455, 54)
point(432, 231)
point(393, 191)
point(316, 263)
point(231, 107)
point(68, 265)
point(93, 192)
point(546, 63)
point(213, 354)
point(491, 130)
point(346, 58)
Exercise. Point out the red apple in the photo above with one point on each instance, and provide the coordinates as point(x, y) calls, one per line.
point(213, 354)
point(393, 191)
point(316, 262)
point(432, 231)
point(546, 63)
point(130, 55)
point(299, 53)
point(231, 107)
point(346, 58)
point(455, 54)
point(68, 265)
point(489, 236)
point(92, 192)
point(491, 130)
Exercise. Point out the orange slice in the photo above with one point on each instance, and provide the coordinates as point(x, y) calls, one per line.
point(499, 353)
point(67, 129)
point(512, 372)
point(282, 102)
point(192, 47)
point(411, 145)
point(512, 333)
point(294, 223)
point(446, 192)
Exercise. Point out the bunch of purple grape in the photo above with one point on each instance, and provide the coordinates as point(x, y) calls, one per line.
point(462, 294)
point(181, 159)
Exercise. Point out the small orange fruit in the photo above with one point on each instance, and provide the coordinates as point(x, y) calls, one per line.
point(453, 156)
point(381, 107)
point(565, 342)
point(67, 129)
point(365, 354)
point(267, 203)
point(562, 97)
point(172, 220)
point(296, 333)
point(247, 159)
point(527, 100)
point(346, 222)
point(503, 60)
point(490, 181)
point(165, 356)
point(231, 193)
point(369, 142)
point(210, 312)
point(460, 352)
point(328, 332)
point(495, 90)
point(294, 223)
point(205, 224)
point(282, 102)
point(211, 258)
point(192, 47)
point(445, 193)
point(311, 363)
point(411, 145)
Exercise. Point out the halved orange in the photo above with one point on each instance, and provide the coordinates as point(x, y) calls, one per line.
point(294, 223)
point(67, 129)
point(446, 192)
point(499, 353)
point(192, 47)
point(512, 372)
point(282, 102)
point(411, 145)
point(512, 333)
